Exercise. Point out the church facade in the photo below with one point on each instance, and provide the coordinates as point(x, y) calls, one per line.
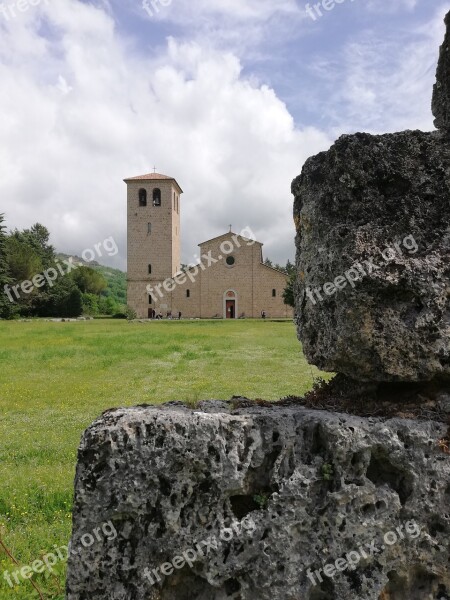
point(230, 280)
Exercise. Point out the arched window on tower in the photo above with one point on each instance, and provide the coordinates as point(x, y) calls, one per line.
point(156, 197)
point(274, 293)
point(188, 293)
point(142, 197)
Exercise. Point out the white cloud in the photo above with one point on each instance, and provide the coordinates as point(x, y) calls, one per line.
point(83, 112)
point(392, 6)
point(85, 109)
point(240, 11)
point(383, 83)
point(241, 25)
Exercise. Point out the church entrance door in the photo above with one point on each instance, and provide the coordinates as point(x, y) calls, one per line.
point(231, 309)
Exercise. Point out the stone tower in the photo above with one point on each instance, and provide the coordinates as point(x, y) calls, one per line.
point(153, 214)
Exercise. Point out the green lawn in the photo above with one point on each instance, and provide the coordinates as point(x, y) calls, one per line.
point(56, 378)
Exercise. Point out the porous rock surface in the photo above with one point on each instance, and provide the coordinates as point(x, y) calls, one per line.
point(441, 92)
point(369, 303)
point(315, 486)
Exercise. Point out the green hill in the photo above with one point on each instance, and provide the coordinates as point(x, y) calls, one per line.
point(117, 280)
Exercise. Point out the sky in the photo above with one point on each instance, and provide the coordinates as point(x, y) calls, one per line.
point(230, 97)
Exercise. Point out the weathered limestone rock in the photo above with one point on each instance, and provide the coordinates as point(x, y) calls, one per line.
point(441, 94)
point(366, 196)
point(281, 491)
point(373, 252)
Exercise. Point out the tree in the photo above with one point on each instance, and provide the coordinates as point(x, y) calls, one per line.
point(290, 268)
point(90, 304)
point(23, 260)
point(7, 308)
point(108, 306)
point(38, 238)
point(62, 300)
point(4, 271)
point(24, 263)
point(72, 305)
point(89, 281)
point(289, 291)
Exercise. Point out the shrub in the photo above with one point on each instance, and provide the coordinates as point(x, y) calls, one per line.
point(131, 313)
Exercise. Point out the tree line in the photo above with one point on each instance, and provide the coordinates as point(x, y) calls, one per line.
point(26, 254)
point(289, 268)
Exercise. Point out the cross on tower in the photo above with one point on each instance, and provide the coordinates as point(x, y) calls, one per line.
point(230, 228)
point(154, 169)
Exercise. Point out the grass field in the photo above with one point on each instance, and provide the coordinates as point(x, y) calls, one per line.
point(56, 378)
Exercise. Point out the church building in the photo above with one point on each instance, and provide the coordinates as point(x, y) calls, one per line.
point(229, 282)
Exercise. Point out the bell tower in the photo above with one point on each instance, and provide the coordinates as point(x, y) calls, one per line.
point(154, 249)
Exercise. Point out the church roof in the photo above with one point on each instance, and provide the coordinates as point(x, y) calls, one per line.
point(152, 177)
point(228, 235)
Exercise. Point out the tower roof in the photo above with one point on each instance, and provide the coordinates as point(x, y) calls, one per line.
point(153, 177)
